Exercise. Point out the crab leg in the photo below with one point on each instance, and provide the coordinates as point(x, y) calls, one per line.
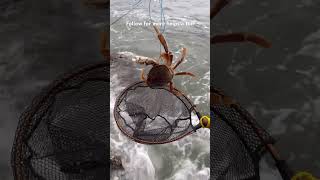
point(184, 73)
point(103, 45)
point(145, 60)
point(167, 56)
point(241, 37)
point(161, 39)
point(171, 86)
point(142, 76)
point(217, 7)
point(183, 52)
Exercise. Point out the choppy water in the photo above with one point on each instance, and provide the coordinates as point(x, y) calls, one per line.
point(186, 159)
point(141, 39)
point(40, 40)
point(279, 86)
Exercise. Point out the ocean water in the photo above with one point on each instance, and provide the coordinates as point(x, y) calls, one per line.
point(186, 159)
point(141, 39)
point(41, 40)
point(280, 86)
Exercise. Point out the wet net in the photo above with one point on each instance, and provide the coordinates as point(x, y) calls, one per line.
point(154, 115)
point(237, 142)
point(64, 134)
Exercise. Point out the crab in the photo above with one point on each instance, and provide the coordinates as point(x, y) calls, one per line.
point(235, 37)
point(161, 75)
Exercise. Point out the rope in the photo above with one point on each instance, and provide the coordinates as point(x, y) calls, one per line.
point(133, 7)
point(162, 16)
point(162, 20)
point(150, 10)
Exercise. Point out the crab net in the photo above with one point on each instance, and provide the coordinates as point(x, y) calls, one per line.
point(154, 115)
point(237, 142)
point(63, 134)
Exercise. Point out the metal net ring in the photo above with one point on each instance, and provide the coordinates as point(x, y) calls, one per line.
point(154, 115)
point(62, 134)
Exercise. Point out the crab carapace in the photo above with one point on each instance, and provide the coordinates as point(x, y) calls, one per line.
point(162, 74)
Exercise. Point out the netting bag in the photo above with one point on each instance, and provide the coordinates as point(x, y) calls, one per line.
point(154, 115)
point(63, 134)
point(237, 142)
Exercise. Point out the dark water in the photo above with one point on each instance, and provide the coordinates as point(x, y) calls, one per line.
point(40, 40)
point(280, 86)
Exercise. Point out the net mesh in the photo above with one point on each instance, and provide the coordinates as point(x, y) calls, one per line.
point(64, 134)
point(153, 115)
point(235, 147)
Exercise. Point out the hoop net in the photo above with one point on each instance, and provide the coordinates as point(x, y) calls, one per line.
point(154, 115)
point(235, 146)
point(63, 134)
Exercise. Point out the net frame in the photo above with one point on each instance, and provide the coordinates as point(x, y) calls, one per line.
point(249, 136)
point(20, 159)
point(178, 94)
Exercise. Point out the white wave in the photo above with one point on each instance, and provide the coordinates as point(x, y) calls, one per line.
point(311, 45)
point(134, 157)
point(139, 165)
point(267, 172)
point(189, 171)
